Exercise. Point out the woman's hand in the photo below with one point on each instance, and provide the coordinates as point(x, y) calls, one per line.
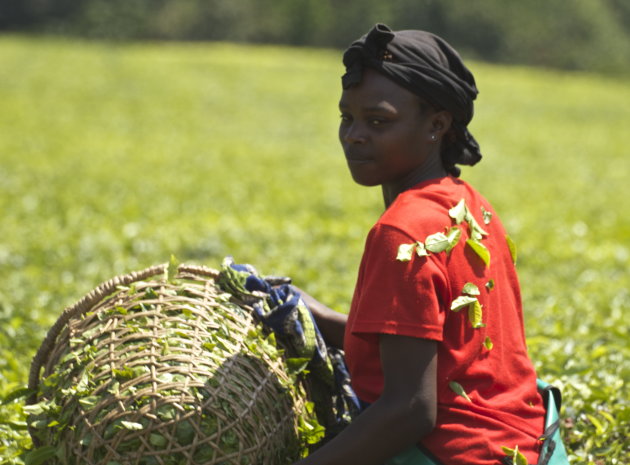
point(331, 324)
point(404, 413)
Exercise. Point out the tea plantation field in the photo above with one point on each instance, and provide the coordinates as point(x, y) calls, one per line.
point(113, 157)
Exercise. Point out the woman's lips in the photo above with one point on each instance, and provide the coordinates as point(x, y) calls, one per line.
point(357, 158)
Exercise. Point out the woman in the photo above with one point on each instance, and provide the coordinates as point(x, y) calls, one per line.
point(434, 339)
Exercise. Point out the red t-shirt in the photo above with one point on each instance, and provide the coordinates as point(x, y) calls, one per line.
point(414, 298)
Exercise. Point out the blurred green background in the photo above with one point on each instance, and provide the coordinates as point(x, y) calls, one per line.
point(129, 133)
point(568, 34)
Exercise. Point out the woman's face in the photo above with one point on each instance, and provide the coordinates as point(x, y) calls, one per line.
point(384, 132)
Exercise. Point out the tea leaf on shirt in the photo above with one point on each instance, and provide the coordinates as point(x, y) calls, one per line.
point(458, 212)
point(490, 285)
point(480, 250)
point(512, 247)
point(470, 289)
point(487, 343)
point(405, 252)
point(515, 455)
point(476, 231)
point(487, 216)
point(437, 242)
point(461, 302)
point(475, 314)
point(459, 390)
point(421, 250)
point(453, 236)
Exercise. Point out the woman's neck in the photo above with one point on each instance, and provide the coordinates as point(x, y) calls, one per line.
point(420, 174)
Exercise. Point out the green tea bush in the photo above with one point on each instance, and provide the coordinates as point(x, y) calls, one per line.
point(114, 157)
point(575, 34)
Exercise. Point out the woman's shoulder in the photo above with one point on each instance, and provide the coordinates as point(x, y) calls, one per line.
point(426, 206)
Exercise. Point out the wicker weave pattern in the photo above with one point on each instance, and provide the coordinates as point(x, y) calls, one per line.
point(156, 372)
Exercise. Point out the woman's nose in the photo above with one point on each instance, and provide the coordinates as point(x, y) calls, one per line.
point(353, 134)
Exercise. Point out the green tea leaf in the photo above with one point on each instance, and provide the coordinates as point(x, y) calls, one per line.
point(126, 372)
point(599, 428)
point(517, 457)
point(480, 249)
point(34, 409)
point(297, 364)
point(490, 285)
point(40, 455)
point(453, 238)
point(458, 212)
point(461, 302)
point(149, 293)
point(122, 310)
point(184, 432)
point(437, 242)
point(487, 343)
point(84, 382)
point(171, 271)
point(16, 425)
point(476, 231)
point(157, 440)
point(608, 417)
point(487, 216)
point(421, 250)
point(512, 247)
point(310, 429)
point(475, 314)
point(123, 374)
point(470, 289)
point(38, 424)
point(405, 252)
point(89, 402)
point(19, 393)
point(459, 390)
point(271, 338)
point(131, 425)
point(114, 388)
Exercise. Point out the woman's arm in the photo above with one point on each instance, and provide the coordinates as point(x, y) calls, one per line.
point(332, 324)
point(404, 413)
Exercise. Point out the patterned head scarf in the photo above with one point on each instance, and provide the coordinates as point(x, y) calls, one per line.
point(426, 65)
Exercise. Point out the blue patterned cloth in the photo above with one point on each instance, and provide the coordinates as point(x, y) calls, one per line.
point(282, 310)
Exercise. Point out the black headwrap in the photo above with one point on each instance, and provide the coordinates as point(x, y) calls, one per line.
point(426, 65)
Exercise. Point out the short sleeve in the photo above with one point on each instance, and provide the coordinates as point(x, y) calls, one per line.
point(398, 297)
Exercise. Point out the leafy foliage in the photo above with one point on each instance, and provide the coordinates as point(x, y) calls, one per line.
point(581, 34)
point(120, 156)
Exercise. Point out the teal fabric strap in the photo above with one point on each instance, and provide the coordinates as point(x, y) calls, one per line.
point(552, 451)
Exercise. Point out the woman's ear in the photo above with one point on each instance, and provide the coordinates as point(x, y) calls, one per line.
point(440, 123)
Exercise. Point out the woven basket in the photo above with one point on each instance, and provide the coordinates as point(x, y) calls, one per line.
point(146, 370)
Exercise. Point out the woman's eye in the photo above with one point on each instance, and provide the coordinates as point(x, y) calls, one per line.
point(345, 118)
point(376, 122)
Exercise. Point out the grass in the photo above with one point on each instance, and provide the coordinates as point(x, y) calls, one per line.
point(114, 157)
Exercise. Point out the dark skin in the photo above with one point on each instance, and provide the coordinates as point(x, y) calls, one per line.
point(390, 136)
point(392, 139)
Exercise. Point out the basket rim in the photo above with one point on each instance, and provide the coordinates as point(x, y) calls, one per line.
point(88, 301)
